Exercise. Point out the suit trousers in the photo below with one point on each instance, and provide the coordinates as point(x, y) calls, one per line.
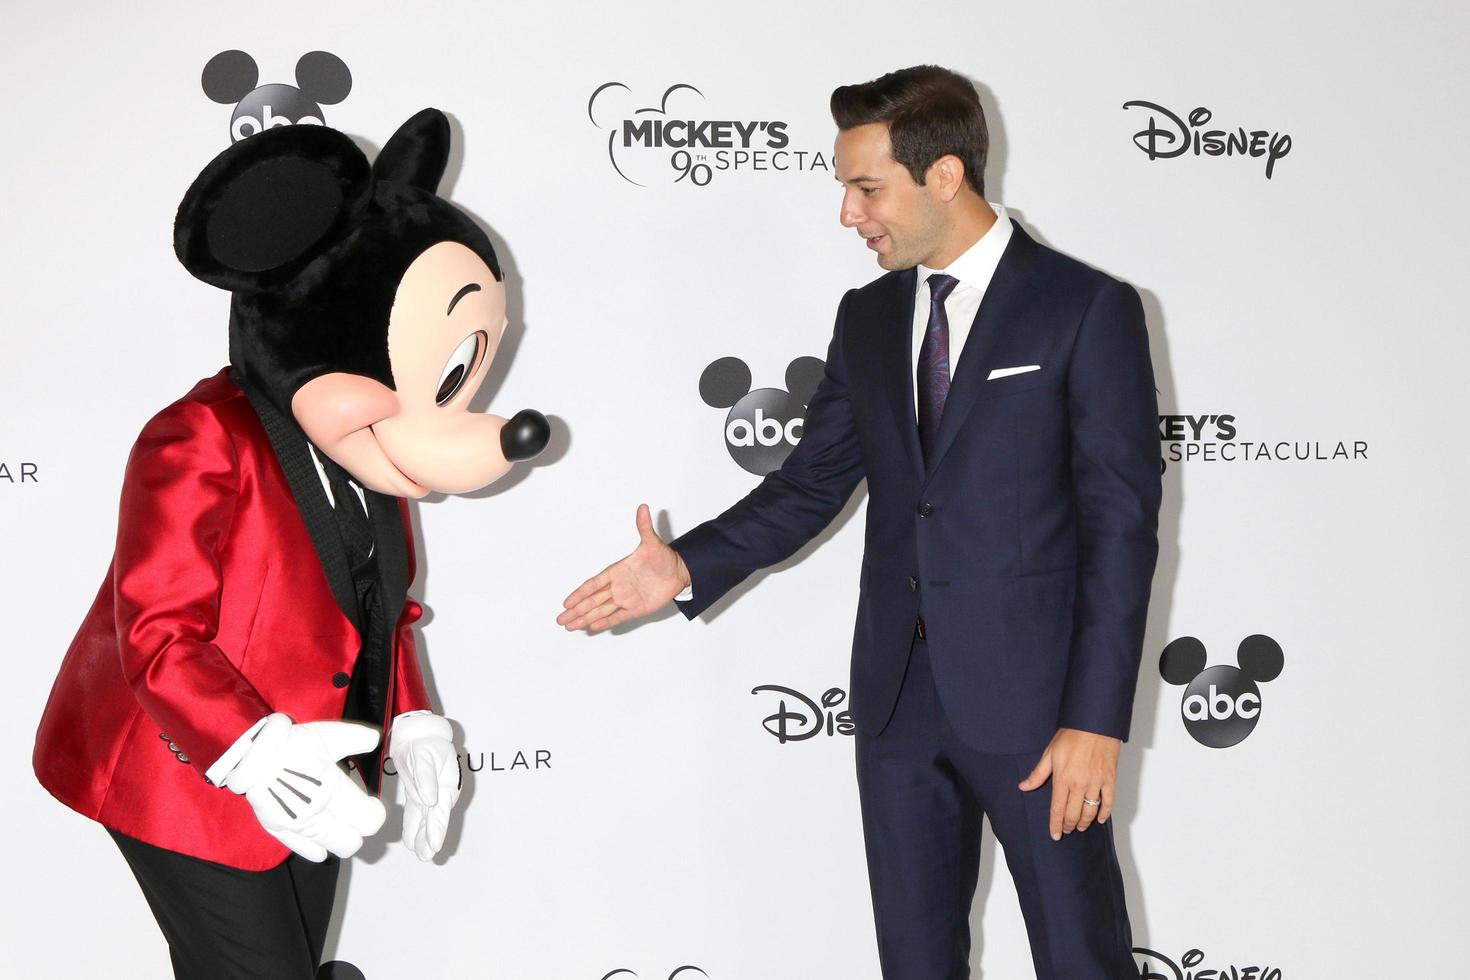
point(223, 923)
point(924, 794)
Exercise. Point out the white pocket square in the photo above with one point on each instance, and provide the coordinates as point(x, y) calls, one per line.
point(1007, 372)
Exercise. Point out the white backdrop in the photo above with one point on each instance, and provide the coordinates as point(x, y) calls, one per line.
point(664, 826)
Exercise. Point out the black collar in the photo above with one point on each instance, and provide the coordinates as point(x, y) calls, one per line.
point(293, 452)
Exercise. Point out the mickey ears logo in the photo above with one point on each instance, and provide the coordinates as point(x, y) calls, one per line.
point(764, 425)
point(685, 972)
point(634, 130)
point(678, 140)
point(230, 76)
point(1221, 704)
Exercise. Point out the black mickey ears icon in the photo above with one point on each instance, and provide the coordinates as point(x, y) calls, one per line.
point(1182, 660)
point(229, 76)
point(724, 382)
point(728, 380)
point(320, 75)
point(1260, 658)
point(802, 377)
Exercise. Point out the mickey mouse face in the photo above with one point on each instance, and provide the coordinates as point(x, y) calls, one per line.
point(764, 425)
point(1221, 704)
point(446, 322)
point(230, 76)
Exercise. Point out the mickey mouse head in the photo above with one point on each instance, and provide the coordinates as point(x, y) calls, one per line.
point(763, 425)
point(230, 76)
point(1221, 704)
point(364, 306)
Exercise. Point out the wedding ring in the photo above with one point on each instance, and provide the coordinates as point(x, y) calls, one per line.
point(1087, 802)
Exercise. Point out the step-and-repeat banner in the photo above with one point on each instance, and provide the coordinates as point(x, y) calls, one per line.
point(1281, 182)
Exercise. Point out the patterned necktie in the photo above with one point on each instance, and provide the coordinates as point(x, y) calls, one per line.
point(933, 373)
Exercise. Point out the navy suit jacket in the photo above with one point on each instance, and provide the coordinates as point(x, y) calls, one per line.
point(1027, 541)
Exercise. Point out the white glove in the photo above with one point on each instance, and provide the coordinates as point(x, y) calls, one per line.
point(301, 797)
point(421, 745)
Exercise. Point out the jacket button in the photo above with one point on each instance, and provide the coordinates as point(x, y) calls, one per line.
point(913, 584)
point(340, 679)
point(925, 509)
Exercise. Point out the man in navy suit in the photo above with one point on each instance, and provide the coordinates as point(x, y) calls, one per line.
point(999, 399)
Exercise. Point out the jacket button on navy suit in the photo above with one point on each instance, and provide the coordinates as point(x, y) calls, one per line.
point(340, 679)
point(925, 509)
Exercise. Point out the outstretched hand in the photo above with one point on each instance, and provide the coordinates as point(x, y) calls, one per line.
point(639, 584)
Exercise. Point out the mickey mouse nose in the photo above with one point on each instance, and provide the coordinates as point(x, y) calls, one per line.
point(524, 436)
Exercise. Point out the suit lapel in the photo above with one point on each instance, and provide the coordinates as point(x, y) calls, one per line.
point(294, 455)
point(392, 553)
point(1000, 311)
point(894, 330)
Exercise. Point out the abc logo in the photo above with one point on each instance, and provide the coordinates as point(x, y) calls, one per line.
point(1221, 704)
point(230, 78)
point(764, 425)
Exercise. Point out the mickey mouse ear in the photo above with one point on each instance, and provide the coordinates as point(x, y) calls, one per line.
point(1260, 658)
point(267, 205)
point(323, 77)
point(610, 102)
point(418, 153)
point(229, 76)
point(1182, 660)
point(803, 375)
point(724, 382)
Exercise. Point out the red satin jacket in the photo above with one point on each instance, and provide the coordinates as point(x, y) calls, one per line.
point(214, 613)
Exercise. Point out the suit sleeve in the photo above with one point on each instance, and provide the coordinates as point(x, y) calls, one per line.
point(178, 504)
point(1116, 485)
point(792, 504)
point(409, 691)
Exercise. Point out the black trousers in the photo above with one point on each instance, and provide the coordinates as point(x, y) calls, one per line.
point(222, 923)
point(924, 793)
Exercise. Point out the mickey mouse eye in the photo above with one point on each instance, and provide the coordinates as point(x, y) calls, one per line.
point(460, 366)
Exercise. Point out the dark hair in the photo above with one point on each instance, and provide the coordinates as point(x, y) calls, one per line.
point(930, 112)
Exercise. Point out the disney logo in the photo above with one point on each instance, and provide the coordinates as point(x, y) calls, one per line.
point(1175, 137)
point(805, 718)
point(1185, 969)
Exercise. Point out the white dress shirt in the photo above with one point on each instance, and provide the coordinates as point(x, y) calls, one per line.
point(974, 269)
point(321, 473)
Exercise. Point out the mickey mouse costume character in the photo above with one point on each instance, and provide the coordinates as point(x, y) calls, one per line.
point(254, 627)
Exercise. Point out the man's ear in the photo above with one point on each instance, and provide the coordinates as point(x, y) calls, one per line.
point(417, 153)
point(947, 175)
point(269, 204)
